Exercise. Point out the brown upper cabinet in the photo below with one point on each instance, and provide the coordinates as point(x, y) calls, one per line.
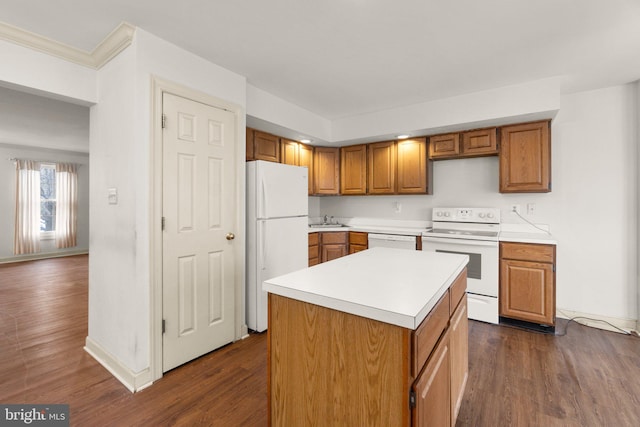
point(473, 143)
point(382, 167)
point(481, 142)
point(444, 146)
point(297, 154)
point(249, 142)
point(414, 170)
point(326, 170)
point(399, 167)
point(289, 152)
point(525, 158)
point(353, 169)
point(262, 146)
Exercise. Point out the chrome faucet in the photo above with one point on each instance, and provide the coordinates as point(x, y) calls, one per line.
point(325, 220)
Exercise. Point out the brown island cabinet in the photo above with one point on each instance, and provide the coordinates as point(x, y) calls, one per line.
point(338, 361)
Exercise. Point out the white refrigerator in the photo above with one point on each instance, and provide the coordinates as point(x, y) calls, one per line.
point(277, 222)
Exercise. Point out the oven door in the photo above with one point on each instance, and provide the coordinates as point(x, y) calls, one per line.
point(482, 270)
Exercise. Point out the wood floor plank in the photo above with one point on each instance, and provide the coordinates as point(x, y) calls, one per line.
point(516, 378)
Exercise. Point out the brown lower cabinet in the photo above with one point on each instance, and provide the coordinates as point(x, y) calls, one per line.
point(328, 245)
point(335, 368)
point(527, 282)
point(314, 249)
point(333, 245)
point(358, 241)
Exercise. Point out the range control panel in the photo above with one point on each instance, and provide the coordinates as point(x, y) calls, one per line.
point(478, 215)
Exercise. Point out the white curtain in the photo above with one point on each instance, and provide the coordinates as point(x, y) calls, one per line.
point(66, 204)
point(27, 230)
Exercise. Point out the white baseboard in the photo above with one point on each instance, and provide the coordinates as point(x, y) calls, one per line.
point(43, 255)
point(597, 321)
point(131, 380)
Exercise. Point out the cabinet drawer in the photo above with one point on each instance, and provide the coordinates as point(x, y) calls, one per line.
point(428, 333)
point(457, 291)
point(358, 238)
point(314, 251)
point(528, 252)
point(313, 239)
point(334, 237)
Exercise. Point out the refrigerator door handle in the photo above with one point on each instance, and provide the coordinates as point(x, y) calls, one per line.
point(261, 249)
point(263, 200)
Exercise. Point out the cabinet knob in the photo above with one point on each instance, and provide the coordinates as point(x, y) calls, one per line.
point(231, 236)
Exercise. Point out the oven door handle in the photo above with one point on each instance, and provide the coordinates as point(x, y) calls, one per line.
point(460, 242)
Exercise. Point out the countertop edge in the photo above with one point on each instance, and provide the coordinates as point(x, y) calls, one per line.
point(516, 237)
point(402, 320)
point(372, 229)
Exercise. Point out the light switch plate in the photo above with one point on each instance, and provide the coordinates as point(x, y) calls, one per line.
point(113, 196)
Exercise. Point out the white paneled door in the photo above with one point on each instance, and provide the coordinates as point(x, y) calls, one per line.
point(198, 202)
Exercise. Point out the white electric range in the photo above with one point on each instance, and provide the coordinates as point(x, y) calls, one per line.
point(473, 232)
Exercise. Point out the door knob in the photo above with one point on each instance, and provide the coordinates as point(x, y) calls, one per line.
point(231, 236)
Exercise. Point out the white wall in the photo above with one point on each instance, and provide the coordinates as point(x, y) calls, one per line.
point(273, 110)
point(638, 206)
point(121, 149)
point(524, 102)
point(43, 74)
point(117, 320)
point(592, 210)
point(8, 198)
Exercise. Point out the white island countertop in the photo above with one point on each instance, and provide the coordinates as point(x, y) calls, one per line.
point(395, 286)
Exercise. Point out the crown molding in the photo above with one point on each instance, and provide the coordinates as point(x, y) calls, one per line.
point(114, 43)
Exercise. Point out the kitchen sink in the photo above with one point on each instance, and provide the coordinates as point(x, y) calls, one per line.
point(326, 225)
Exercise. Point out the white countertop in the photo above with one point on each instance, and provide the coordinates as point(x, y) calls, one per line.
point(395, 286)
point(539, 238)
point(404, 231)
point(374, 225)
point(526, 233)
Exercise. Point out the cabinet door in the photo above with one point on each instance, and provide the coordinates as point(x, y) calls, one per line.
point(525, 158)
point(249, 142)
point(289, 152)
point(266, 147)
point(382, 168)
point(444, 146)
point(527, 291)
point(326, 170)
point(459, 343)
point(305, 158)
point(353, 169)
point(333, 251)
point(481, 142)
point(413, 167)
point(432, 389)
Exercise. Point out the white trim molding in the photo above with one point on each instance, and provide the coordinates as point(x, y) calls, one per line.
point(598, 321)
point(43, 255)
point(131, 380)
point(114, 43)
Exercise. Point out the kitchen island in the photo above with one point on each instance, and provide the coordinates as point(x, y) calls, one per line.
point(379, 337)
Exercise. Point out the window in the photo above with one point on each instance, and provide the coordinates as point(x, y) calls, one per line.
point(47, 201)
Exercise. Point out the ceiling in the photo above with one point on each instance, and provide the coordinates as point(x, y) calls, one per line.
point(340, 58)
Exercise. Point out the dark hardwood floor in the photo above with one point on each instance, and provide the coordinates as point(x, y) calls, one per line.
point(516, 378)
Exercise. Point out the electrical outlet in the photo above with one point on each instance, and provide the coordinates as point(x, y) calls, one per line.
point(515, 208)
point(531, 208)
